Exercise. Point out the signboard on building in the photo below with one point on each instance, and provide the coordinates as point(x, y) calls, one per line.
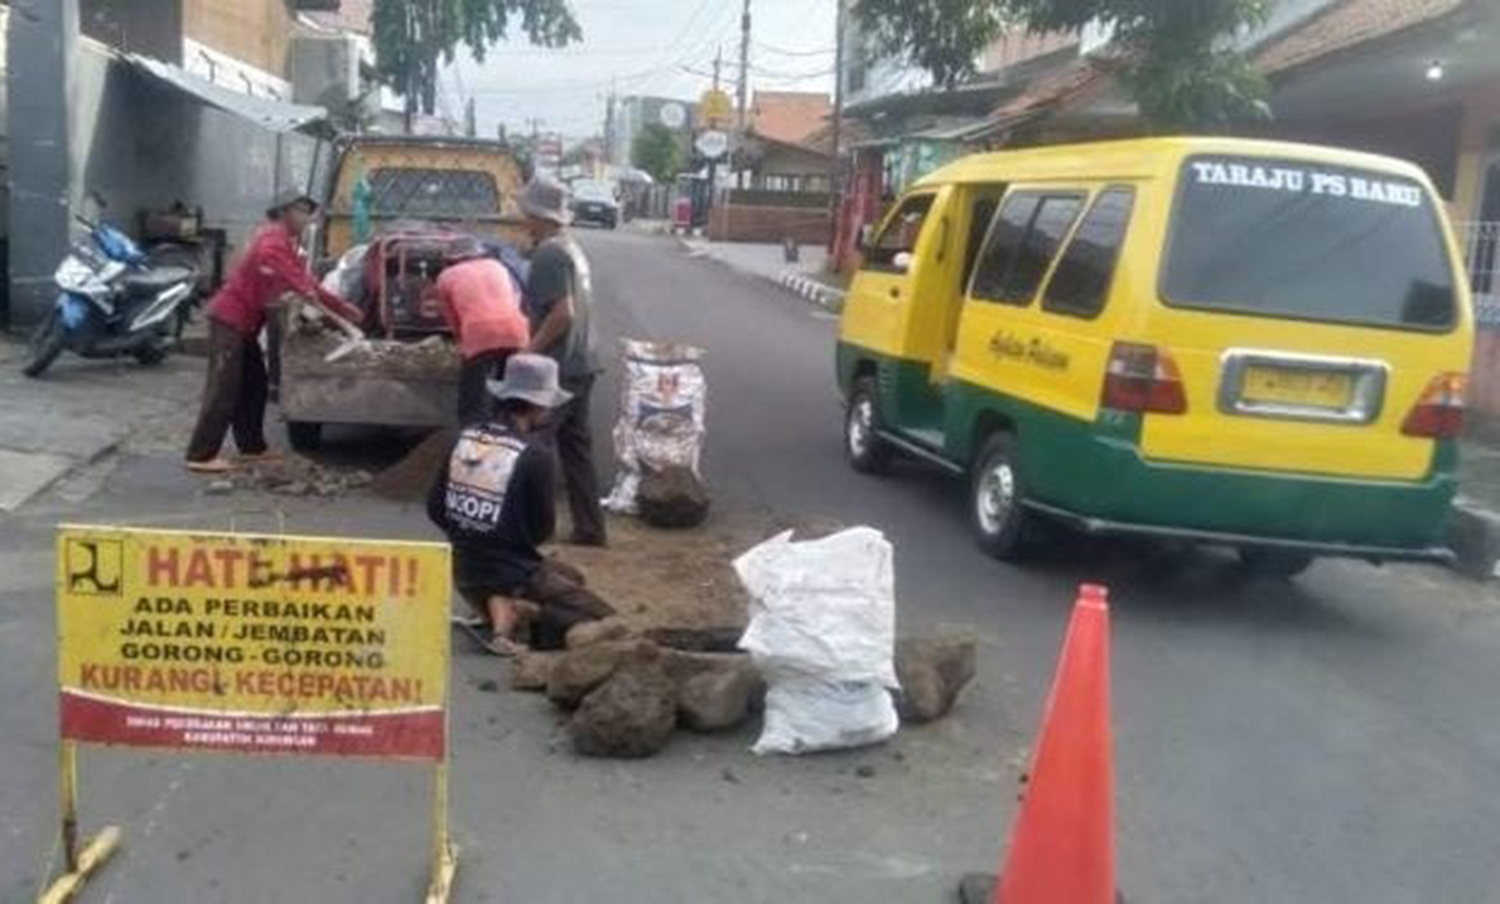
point(715, 108)
point(672, 115)
point(255, 644)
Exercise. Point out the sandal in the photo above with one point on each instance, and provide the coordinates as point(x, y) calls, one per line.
point(504, 647)
point(269, 456)
point(210, 466)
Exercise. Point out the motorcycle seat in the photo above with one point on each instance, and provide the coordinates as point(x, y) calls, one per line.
point(157, 279)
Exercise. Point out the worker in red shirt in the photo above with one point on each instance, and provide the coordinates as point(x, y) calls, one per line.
point(482, 305)
point(236, 389)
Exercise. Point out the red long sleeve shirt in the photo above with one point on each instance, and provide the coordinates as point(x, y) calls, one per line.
point(270, 269)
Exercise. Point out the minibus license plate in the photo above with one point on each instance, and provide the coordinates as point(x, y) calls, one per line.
point(1299, 388)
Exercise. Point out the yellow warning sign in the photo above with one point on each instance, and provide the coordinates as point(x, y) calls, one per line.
point(714, 108)
point(258, 644)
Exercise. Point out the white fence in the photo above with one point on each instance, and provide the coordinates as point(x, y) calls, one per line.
point(1481, 241)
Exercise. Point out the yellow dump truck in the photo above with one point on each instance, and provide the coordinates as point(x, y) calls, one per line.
point(394, 205)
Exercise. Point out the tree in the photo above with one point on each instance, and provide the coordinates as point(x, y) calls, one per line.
point(1174, 56)
point(943, 37)
point(657, 150)
point(413, 36)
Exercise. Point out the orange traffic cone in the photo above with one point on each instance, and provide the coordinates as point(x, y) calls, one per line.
point(1062, 848)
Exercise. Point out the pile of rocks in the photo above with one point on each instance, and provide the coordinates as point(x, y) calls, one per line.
point(627, 692)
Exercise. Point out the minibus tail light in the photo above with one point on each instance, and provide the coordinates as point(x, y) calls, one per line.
point(1439, 413)
point(1143, 378)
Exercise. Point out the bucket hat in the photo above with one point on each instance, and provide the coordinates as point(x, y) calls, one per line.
point(530, 378)
point(286, 198)
point(546, 199)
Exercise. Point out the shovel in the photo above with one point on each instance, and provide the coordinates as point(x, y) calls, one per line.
point(354, 339)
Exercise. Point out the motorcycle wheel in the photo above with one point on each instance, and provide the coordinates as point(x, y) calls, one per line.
point(46, 344)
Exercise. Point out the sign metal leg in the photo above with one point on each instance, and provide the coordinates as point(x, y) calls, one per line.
point(79, 864)
point(444, 853)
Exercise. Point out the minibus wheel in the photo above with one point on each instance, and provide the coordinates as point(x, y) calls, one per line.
point(866, 451)
point(996, 500)
point(1274, 563)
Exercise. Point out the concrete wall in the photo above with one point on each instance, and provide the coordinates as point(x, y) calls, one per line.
point(1476, 148)
point(143, 145)
point(742, 223)
point(149, 27)
point(258, 32)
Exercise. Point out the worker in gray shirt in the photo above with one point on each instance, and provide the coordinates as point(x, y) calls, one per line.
point(560, 298)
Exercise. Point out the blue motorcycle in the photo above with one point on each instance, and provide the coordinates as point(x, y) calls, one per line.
point(113, 300)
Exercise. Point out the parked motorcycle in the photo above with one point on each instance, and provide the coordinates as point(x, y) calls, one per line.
point(114, 300)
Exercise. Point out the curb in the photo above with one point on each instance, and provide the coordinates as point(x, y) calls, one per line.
point(819, 293)
point(797, 282)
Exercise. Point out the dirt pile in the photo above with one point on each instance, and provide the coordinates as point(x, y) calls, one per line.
point(298, 477)
point(409, 479)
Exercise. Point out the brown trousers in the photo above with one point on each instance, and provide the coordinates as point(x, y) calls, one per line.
point(234, 395)
point(563, 600)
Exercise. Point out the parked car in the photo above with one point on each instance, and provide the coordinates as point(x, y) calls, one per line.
point(594, 202)
point(1242, 343)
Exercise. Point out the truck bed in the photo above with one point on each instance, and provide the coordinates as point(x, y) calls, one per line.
point(391, 383)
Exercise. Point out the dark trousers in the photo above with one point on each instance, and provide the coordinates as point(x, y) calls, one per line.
point(475, 404)
point(234, 395)
point(562, 601)
point(575, 451)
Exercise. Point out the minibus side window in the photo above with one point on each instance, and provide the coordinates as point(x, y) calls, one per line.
point(891, 251)
point(1080, 285)
point(1001, 246)
point(1019, 250)
point(980, 215)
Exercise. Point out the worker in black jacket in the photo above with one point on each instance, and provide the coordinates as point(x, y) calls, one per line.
point(496, 502)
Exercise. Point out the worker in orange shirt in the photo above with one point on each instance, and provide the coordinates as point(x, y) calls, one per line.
point(482, 306)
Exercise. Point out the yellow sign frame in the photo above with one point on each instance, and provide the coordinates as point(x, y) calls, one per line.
point(124, 582)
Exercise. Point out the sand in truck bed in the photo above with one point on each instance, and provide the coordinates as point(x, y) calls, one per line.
point(305, 348)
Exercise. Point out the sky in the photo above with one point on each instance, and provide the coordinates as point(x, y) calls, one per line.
point(655, 47)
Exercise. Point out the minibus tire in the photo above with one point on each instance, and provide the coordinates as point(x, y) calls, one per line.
point(872, 455)
point(999, 525)
point(1275, 563)
point(305, 436)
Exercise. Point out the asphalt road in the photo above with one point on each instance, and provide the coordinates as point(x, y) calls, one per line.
point(1332, 739)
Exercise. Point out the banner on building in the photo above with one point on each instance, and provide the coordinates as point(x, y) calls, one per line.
point(254, 644)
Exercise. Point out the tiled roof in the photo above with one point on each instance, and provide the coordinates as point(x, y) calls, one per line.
point(821, 140)
point(789, 116)
point(1344, 25)
point(1057, 89)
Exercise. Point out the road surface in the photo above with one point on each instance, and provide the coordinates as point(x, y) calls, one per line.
point(1332, 739)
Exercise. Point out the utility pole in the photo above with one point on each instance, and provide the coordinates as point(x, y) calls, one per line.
point(43, 41)
point(713, 165)
point(744, 86)
point(609, 128)
point(836, 171)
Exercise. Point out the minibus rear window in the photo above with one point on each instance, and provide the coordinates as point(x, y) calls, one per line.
point(1283, 238)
